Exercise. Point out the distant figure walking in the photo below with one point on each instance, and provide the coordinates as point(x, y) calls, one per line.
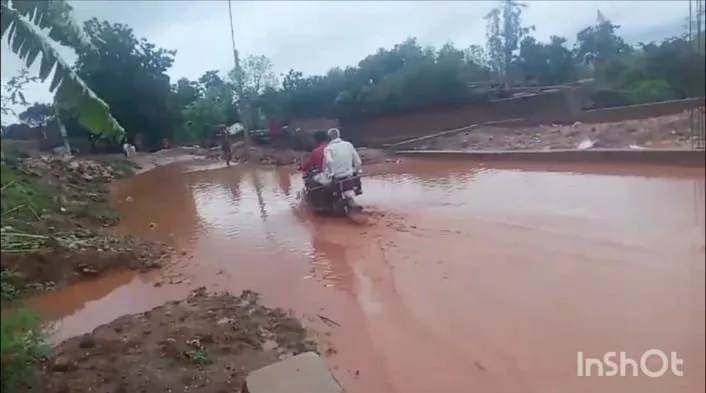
point(128, 149)
point(225, 144)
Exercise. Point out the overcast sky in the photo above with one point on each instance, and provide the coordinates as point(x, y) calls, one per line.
point(314, 36)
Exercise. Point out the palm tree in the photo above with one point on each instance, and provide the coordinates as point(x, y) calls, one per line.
point(23, 22)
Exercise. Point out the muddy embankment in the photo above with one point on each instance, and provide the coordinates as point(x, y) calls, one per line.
point(56, 224)
point(671, 131)
point(203, 344)
point(262, 155)
point(57, 230)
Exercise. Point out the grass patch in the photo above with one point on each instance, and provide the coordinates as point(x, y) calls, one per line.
point(24, 199)
point(28, 200)
point(43, 205)
point(101, 212)
point(8, 290)
point(22, 344)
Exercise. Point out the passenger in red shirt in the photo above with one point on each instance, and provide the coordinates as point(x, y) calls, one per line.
point(315, 162)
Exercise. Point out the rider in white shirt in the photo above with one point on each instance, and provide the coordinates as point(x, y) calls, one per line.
point(340, 157)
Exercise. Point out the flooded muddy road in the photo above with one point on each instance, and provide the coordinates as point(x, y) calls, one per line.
point(465, 279)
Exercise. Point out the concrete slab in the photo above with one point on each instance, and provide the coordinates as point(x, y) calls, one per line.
point(304, 373)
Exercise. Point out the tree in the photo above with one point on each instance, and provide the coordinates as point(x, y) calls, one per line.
point(37, 115)
point(257, 74)
point(185, 92)
point(600, 41)
point(22, 22)
point(202, 118)
point(130, 74)
point(504, 31)
point(550, 63)
point(213, 106)
point(12, 91)
point(250, 80)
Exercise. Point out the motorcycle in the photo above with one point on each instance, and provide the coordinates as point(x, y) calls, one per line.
point(336, 198)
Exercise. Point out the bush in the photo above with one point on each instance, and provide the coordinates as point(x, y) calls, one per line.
point(22, 344)
point(8, 291)
point(653, 90)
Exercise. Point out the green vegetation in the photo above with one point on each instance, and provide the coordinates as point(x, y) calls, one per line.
point(196, 356)
point(22, 344)
point(39, 208)
point(22, 340)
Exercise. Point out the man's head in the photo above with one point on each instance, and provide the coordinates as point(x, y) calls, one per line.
point(333, 133)
point(320, 137)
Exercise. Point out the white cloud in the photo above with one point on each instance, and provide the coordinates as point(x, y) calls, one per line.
point(314, 36)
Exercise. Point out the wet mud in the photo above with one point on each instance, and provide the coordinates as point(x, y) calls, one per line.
point(461, 279)
point(203, 344)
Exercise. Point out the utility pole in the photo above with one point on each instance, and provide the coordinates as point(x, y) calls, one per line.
point(239, 83)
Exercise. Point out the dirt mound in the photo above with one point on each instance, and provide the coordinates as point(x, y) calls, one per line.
point(69, 169)
point(54, 210)
point(68, 258)
point(672, 131)
point(205, 344)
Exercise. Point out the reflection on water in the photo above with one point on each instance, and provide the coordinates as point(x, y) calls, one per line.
point(527, 266)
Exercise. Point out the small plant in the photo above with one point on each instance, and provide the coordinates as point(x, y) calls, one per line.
point(22, 344)
point(198, 356)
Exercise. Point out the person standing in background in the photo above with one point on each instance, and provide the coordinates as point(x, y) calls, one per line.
point(275, 132)
point(225, 144)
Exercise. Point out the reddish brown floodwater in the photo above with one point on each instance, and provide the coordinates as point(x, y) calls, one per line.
point(466, 279)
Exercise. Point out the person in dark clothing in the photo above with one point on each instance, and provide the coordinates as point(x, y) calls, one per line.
point(225, 144)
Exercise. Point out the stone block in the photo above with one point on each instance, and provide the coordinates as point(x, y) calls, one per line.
point(304, 373)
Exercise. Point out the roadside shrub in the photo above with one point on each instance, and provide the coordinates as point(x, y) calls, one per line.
point(22, 344)
point(9, 290)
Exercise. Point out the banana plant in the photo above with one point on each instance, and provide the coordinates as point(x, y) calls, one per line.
point(23, 21)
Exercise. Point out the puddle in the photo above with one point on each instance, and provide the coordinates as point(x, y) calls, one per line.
point(464, 279)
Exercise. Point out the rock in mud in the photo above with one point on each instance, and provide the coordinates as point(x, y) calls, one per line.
point(62, 363)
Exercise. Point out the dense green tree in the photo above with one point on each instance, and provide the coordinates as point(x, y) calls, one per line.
point(210, 102)
point(185, 92)
point(130, 74)
point(38, 114)
point(550, 63)
point(600, 42)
